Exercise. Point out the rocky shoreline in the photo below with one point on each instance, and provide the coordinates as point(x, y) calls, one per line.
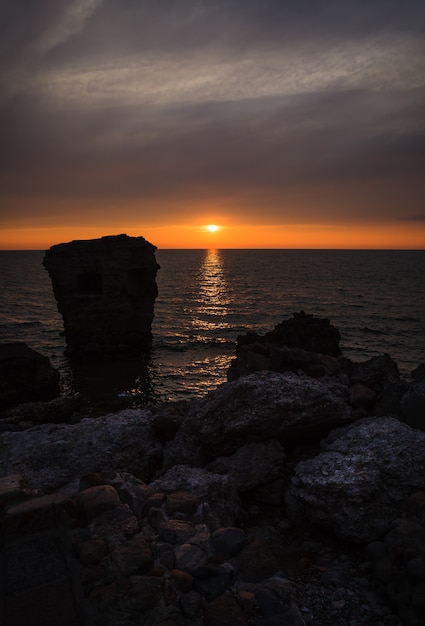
point(293, 494)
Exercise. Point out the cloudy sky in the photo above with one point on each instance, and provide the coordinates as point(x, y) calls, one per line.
point(289, 123)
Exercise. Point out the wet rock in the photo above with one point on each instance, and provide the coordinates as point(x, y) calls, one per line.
point(252, 465)
point(51, 455)
point(25, 375)
point(358, 485)
point(105, 289)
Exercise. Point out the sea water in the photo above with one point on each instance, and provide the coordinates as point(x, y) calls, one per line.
point(208, 297)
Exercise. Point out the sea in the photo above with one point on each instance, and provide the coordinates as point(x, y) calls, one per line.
point(208, 297)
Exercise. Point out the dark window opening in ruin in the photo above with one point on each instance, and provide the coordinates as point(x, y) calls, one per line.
point(89, 284)
point(135, 281)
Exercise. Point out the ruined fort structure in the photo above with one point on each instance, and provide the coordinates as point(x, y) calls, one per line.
point(105, 290)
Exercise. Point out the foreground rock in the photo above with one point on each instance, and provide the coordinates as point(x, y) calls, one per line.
point(25, 375)
point(145, 557)
point(358, 485)
point(262, 406)
point(52, 455)
point(59, 409)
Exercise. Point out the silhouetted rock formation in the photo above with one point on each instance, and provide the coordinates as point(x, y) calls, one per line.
point(105, 289)
point(292, 345)
point(25, 375)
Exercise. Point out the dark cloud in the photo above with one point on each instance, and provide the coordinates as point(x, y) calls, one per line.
point(266, 101)
point(420, 217)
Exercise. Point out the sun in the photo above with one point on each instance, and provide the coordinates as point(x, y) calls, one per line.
point(212, 228)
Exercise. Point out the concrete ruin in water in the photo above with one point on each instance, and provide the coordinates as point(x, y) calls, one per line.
point(105, 291)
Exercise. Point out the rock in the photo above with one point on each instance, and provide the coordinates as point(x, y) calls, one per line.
point(399, 568)
point(228, 541)
point(206, 487)
point(308, 332)
point(259, 407)
point(376, 373)
point(212, 580)
point(256, 562)
point(183, 580)
point(133, 557)
point(274, 608)
point(114, 525)
point(57, 410)
point(189, 558)
point(252, 465)
point(181, 502)
point(176, 531)
point(25, 375)
point(358, 485)
point(362, 397)
point(105, 289)
point(96, 500)
point(135, 493)
point(413, 405)
point(224, 611)
point(51, 455)
point(419, 372)
point(144, 594)
point(13, 489)
point(191, 604)
point(414, 505)
point(92, 551)
point(293, 345)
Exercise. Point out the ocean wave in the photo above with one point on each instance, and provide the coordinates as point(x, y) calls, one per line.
point(373, 331)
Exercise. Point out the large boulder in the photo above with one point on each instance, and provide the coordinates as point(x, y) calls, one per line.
point(25, 375)
point(51, 455)
point(358, 485)
point(265, 405)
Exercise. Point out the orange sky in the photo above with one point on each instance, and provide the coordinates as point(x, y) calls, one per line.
point(353, 236)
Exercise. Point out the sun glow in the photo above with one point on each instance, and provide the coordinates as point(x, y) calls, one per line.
point(212, 228)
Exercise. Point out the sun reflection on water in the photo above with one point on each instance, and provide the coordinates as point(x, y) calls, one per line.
point(213, 298)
